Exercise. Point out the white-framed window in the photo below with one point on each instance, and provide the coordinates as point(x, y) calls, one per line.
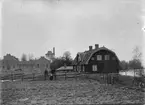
point(107, 57)
point(99, 57)
point(94, 67)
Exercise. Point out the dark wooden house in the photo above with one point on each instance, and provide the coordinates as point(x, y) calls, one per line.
point(98, 60)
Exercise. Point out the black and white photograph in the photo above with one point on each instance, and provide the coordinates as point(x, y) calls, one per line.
point(72, 52)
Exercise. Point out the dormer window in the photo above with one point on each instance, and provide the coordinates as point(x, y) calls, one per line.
point(99, 57)
point(106, 57)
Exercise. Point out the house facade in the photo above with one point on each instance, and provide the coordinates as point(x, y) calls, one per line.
point(97, 60)
point(41, 64)
point(10, 64)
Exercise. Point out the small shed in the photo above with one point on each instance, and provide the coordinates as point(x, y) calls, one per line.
point(65, 68)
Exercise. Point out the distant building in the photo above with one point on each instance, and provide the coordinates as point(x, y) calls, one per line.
point(42, 64)
point(26, 66)
point(99, 60)
point(10, 64)
point(50, 55)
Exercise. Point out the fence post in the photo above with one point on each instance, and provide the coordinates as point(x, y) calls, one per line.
point(55, 75)
point(65, 75)
point(112, 78)
point(76, 75)
point(22, 76)
point(33, 75)
point(108, 78)
point(12, 76)
point(103, 76)
point(125, 72)
point(134, 72)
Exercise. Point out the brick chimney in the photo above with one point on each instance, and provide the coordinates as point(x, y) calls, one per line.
point(53, 50)
point(96, 46)
point(90, 48)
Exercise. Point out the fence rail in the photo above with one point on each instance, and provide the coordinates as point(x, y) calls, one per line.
point(109, 78)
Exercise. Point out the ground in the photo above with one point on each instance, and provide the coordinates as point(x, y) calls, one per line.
point(69, 91)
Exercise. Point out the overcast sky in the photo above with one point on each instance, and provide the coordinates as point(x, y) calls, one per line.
point(36, 26)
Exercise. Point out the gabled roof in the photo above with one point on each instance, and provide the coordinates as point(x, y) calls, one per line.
point(9, 56)
point(83, 57)
point(86, 56)
point(78, 58)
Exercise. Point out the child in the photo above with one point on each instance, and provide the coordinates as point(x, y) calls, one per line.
point(52, 74)
point(51, 77)
point(45, 74)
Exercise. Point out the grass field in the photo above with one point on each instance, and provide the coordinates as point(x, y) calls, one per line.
point(70, 91)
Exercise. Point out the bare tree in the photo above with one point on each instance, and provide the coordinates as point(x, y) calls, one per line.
point(137, 54)
point(136, 63)
point(31, 57)
point(124, 64)
point(67, 58)
point(67, 55)
point(24, 57)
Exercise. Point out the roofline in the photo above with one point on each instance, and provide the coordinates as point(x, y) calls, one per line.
point(102, 48)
